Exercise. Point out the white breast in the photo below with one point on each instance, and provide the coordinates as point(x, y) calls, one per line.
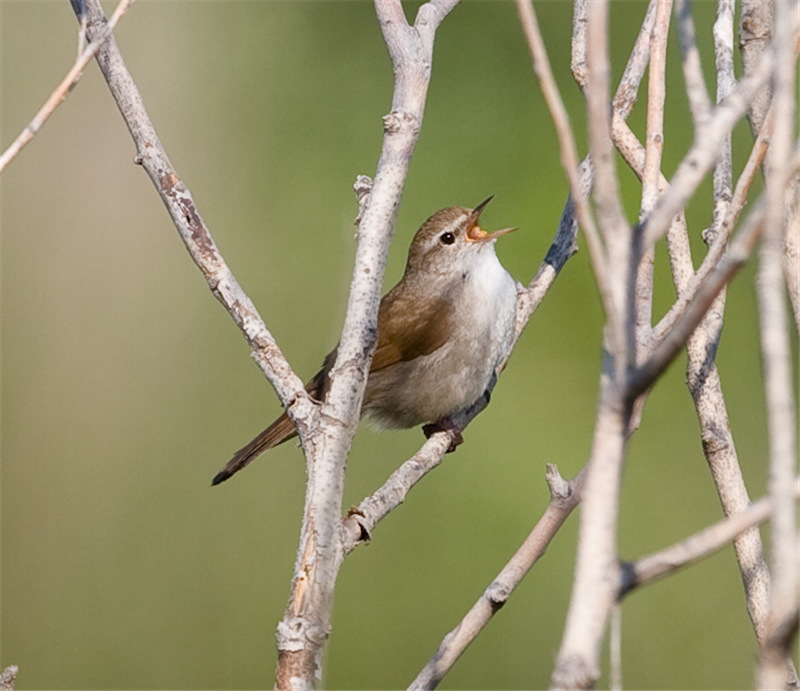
point(456, 375)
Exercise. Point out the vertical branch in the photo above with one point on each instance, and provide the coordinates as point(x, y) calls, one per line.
point(755, 33)
point(696, 90)
point(305, 626)
point(702, 376)
point(782, 620)
point(651, 178)
point(596, 569)
point(609, 209)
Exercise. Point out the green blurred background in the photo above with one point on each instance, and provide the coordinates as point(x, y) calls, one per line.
point(126, 386)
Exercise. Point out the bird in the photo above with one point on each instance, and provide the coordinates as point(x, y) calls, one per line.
point(442, 332)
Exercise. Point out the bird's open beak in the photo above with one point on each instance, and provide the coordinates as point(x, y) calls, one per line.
point(477, 234)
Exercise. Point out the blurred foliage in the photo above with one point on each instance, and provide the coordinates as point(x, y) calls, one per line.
point(126, 387)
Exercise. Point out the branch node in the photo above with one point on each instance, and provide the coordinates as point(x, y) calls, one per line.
point(399, 120)
point(354, 512)
point(496, 595)
point(363, 190)
point(560, 489)
point(8, 677)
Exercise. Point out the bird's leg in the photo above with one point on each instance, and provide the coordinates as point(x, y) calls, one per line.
point(445, 425)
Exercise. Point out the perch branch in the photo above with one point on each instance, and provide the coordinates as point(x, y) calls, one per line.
point(699, 102)
point(305, 626)
point(361, 520)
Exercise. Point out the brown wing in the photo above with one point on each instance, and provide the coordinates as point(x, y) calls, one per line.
point(409, 329)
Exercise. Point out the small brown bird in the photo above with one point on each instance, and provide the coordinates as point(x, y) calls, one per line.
point(442, 331)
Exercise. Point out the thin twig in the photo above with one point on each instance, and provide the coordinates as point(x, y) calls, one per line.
point(707, 146)
point(690, 550)
point(615, 228)
point(63, 90)
point(627, 92)
point(699, 102)
point(642, 274)
point(569, 154)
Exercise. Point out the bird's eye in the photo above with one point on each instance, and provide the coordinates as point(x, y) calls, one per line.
point(447, 238)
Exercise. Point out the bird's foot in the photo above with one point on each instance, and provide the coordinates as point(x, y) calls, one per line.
point(445, 425)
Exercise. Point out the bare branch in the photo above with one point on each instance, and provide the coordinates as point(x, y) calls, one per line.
point(696, 90)
point(361, 520)
point(687, 285)
point(566, 140)
point(702, 376)
point(708, 142)
point(63, 90)
point(616, 231)
point(782, 619)
point(653, 567)
point(674, 340)
point(651, 175)
point(791, 262)
point(193, 231)
point(564, 497)
point(302, 632)
point(755, 33)
point(625, 98)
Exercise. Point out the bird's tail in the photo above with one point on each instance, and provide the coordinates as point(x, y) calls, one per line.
point(278, 432)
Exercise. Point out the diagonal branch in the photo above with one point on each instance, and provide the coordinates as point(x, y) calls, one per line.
point(690, 550)
point(193, 231)
point(564, 497)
